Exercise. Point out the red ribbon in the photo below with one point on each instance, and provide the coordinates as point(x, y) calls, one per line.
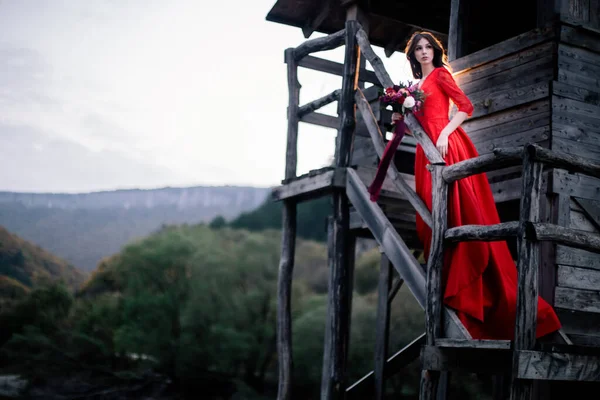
point(387, 157)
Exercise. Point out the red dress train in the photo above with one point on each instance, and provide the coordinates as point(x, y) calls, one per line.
point(480, 277)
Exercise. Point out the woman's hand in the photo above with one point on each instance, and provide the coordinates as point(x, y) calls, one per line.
point(396, 117)
point(442, 144)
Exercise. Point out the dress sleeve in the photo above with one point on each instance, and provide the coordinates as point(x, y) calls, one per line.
point(449, 86)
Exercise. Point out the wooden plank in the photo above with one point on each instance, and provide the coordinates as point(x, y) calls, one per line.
point(588, 151)
point(578, 278)
point(382, 328)
point(540, 67)
point(591, 209)
point(566, 255)
point(499, 158)
point(291, 153)
point(498, 99)
point(324, 43)
point(503, 64)
point(585, 60)
point(473, 343)
point(579, 322)
point(396, 250)
point(585, 95)
point(582, 114)
point(557, 366)
point(490, 122)
point(495, 232)
point(511, 128)
point(284, 295)
point(310, 186)
point(466, 360)
point(580, 38)
point(536, 135)
point(576, 185)
point(580, 221)
point(335, 68)
point(504, 48)
point(362, 388)
point(577, 299)
point(574, 133)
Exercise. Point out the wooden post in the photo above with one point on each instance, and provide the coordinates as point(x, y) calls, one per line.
point(333, 385)
point(382, 324)
point(291, 153)
point(288, 241)
point(433, 305)
point(455, 33)
point(527, 292)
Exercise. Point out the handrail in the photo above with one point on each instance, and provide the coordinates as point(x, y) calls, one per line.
point(329, 42)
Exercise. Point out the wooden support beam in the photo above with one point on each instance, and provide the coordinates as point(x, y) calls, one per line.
point(567, 236)
point(433, 309)
point(335, 68)
point(363, 388)
point(399, 254)
point(329, 42)
point(315, 118)
point(341, 271)
point(486, 233)
point(291, 153)
point(527, 284)
point(382, 329)
point(284, 296)
point(564, 161)
point(498, 159)
point(319, 103)
point(392, 173)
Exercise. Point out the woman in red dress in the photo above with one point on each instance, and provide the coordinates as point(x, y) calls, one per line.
point(480, 278)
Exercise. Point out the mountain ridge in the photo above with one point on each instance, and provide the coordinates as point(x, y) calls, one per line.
point(84, 228)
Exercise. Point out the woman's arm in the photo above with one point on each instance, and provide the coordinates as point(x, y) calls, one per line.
point(442, 142)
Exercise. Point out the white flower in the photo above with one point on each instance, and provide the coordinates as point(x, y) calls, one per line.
point(409, 102)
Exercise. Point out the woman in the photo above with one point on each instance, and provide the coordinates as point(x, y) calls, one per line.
point(480, 278)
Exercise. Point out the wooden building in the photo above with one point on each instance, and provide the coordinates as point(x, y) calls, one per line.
point(532, 70)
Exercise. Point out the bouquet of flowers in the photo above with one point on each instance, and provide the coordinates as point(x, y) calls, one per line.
point(404, 99)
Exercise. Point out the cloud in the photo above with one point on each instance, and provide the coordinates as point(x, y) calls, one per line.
point(32, 161)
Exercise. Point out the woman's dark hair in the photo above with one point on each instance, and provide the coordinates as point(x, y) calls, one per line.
point(439, 55)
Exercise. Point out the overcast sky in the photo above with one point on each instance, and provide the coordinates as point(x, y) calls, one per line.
point(109, 94)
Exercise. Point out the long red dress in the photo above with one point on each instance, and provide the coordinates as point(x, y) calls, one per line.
point(480, 277)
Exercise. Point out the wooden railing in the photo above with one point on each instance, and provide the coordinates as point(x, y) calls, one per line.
point(528, 229)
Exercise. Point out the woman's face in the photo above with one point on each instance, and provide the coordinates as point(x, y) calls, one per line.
point(424, 52)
